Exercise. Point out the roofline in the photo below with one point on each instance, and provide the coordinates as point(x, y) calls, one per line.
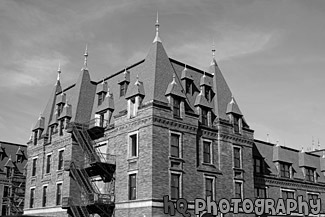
point(10, 143)
point(191, 67)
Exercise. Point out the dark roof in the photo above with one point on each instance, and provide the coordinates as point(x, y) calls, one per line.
point(232, 107)
point(10, 150)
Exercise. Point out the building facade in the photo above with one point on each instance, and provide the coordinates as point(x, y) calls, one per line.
point(13, 159)
point(157, 128)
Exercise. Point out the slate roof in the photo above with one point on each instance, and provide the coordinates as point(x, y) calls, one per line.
point(156, 74)
point(11, 149)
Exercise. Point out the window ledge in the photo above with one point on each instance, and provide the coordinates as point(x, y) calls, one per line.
point(176, 158)
point(238, 169)
point(133, 159)
point(209, 164)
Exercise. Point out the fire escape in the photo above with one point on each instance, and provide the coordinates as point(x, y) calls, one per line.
point(14, 192)
point(96, 164)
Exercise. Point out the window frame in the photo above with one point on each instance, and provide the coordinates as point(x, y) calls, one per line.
point(257, 190)
point(58, 199)
point(261, 166)
point(241, 188)
point(207, 177)
point(188, 86)
point(48, 163)
point(60, 161)
point(180, 182)
point(130, 188)
point(235, 158)
point(180, 138)
point(34, 166)
point(310, 177)
point(210, 151)
point(44, 195)
point(130, 145)
point(283, 172)
point(32, 191)
point(205, 116)
point(287, 191)
point(176, 107)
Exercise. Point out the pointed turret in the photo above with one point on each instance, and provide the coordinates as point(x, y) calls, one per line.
point(136, 89)
point(83, 95)
point(9, 163)
point(157, 39)
point(201, 100)
point(175, 89)
point(232, 107)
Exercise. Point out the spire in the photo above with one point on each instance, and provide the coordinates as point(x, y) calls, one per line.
point(86, 56)
point(59, 71)
point(213, 62)
point(157, 39)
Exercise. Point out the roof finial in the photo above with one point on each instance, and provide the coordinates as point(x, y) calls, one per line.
point(157, 39)
point(213, 62)
point(86, 55)
point(59, 71)
point(137, 81)
point(174, 79)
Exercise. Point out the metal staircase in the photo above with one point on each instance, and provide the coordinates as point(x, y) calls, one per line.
point(97, 164)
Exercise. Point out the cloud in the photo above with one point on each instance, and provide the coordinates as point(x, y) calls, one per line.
point(32, 71)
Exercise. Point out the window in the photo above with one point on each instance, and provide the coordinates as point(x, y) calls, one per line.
point(205, 117)
point(207, 152)
point(312, 196)
point(61, 127)
point(32, 197)
point(133, 108)
point(133, 144)
point(101, 97)
point(59, 194)
point(60, 162)
point(133, 186)
point(101, 119)
point(4, 211)
point(8, 171)
point(48, 163)
point(258, 166)
point(34, 164)
point(260, 192)
point(237, 158)
point(44, 196)
point(285, 170)
point(207, 93)
point(6, 192)
point(175, 186)
point(238, 190)
point(236, 124)
point(188, 86)
point(288, 194)
point(209, 187)
point(177, 107)
point(123, 89)
point(310, 174)
point(175, 145)
point(35, 137)
point(60, 109)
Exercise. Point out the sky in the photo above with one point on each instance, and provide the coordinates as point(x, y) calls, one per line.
point(271, 53)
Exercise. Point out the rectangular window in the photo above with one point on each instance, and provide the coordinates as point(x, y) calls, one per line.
point(32, 198)
point(174, 145)
point(258, 166)
point(207, 152)
point(6, 192)
point(132, 107)
point(133, 141)
point(4, 211)
point(100, 98)
point(237, 158)
point(123, 89)
point(61, 127)
point(207, 93)
point(175, 186)
point(34, 164)
point(238, 190)
point(236, 124)
point(188, 85)
point(205, 117)
point(60, 161)
point(209, 187)
point(177, 107)
point(310, 174)
point(312, 196)
point(288, 194)
point(285, 170)
point(101, 119)
point(132, 186)
point(44, 196)
point(48, 163)
point(260, 192)
point(35, 137)
point(58, 194)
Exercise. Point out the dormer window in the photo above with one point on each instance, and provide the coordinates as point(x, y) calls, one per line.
point(204, 116)
point(285, 170)
point(61, 126)
point(123, 88)
point(133, 112)
point(188, 86)
point(8, 172)
point(177, 107)
point(35, 137)
point(101, 97)
point(207, 93)
point(310, 174)
point(60, 109)
point(236, 124)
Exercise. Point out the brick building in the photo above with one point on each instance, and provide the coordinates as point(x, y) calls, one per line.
point(13, 159)
point(158, 127)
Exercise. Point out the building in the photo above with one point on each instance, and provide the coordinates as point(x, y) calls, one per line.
point(158, 127)
point(13, 159)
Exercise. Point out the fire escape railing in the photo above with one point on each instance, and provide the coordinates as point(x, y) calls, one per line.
point(14, 199)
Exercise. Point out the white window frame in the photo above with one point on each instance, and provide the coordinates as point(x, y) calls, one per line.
point(180, 143)
point(30, 190)
point(57, 168)
point(241, 188)
point(213, 186)
point(180, 183)
point(56, 192)
point(45, 185)
point(136, 184)
point(211, 150)
point(240, 155)
point(47, 162)
point(130, 144)
point(288, 190)
point(312, 193)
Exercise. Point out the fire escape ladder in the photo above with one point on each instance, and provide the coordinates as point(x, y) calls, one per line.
point(78, 211)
